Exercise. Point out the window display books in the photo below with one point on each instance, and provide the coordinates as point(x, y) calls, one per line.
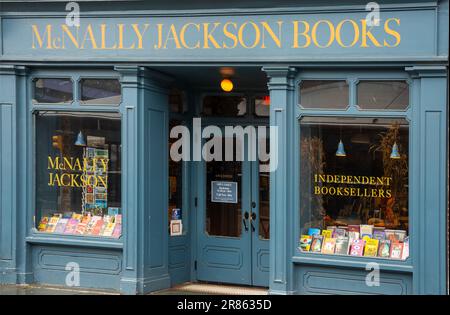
point(339, 232)
point(384, 248)
point(97, 229)
point(316, 245)
point(109, 229)
point(313, 231)
point(329, 245)
point(366, 231)
point(378, 233)
point(71, 226)
point(117, 230)
point(371, 248)
point(51, 226)
point(400, 235)
point(43, 224)
point(390, 235)
point(61, 226)
point(81, 227)
point(396, 250)
point(327, 233)
point(405, 253)
point(342, 245)
point(305, 242)
point(91, 224)
point(357, 247)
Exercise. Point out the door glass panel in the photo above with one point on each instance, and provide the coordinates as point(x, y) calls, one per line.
point(223, 198)
point(264, 193)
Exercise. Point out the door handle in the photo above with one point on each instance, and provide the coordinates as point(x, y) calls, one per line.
point(244, 221)
point(253, 218)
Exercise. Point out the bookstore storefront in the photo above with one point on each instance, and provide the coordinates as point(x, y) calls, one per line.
point(352, 105)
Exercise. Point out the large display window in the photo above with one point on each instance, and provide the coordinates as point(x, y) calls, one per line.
point(354, 186)
point(78, 173)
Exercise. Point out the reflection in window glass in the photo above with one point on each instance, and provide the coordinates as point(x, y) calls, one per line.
point(324, 94)
point(264, 193)
point(175, 184)
point(176, 101)
point(100, 91)
point(78, 174)
point(54, 90)
point(262, 106)
point(383, 95)
point(354, 187)
point(224, 105)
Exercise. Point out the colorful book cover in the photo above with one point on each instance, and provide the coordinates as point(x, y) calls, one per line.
point(118, 219)
point(390, 235)
point(353, 235)
point(341, 246)
point(400, 235)
point(371, 248)
point(384, 248)
point(327, 233)
point(379, 234)
point(51, 226)
point(61, 226)
point(329, 245)
point(97, 229)
point(405, 253)
point(81, 227)
point(71, 226)
point(77, 216)
point(109, 229)
point(353, 228)
point(91, 224)
point(43, 224)
point(316, 245)
point(366, 231)
point(396, 250)
point(117, 230)
point(357, 247)
point(313, 231)
point(339, 232)
point(305, 242)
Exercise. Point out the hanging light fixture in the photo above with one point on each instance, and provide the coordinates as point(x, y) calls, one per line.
point(226, 85)
point(340, 150)
point(395, 154)
point(80, 140)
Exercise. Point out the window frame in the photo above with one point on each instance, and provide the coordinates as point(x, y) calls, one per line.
point(98, 77)
point(33, 236)
point(352, 111)
point(33, 79)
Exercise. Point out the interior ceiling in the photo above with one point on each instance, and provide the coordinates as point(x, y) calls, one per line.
point(205, 77)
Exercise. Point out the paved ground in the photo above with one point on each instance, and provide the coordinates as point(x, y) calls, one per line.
point(184, 289)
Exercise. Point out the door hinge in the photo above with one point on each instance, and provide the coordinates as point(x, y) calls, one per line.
point(195, 201)
point(195, 265)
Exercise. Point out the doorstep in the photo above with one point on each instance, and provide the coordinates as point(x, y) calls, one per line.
point(212, 289)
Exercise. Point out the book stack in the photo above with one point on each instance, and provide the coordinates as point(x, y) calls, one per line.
point(356, 240)
point(78, 224)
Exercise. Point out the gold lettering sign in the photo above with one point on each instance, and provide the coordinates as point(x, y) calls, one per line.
point(347, 186)
point(76, 172)
point(295, 34)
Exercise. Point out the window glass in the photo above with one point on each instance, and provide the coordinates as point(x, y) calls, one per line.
point(262, 106)
point(224, 217)
point(100, 91)
point(264, 190)
point(177, 101)
point(324, 94)
point(354, 186)
point(383, 95)
point(224, 105)
point(55, 90)
point(78, 174)
point(175, 189)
